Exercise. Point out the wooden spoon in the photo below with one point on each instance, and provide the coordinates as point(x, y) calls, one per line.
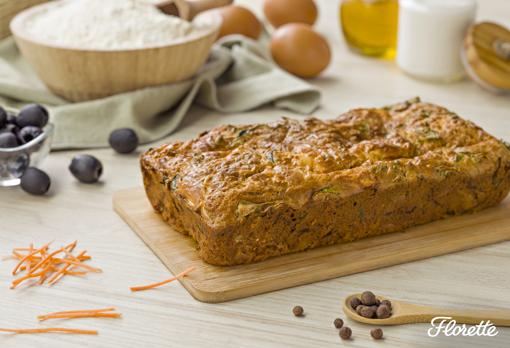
point(407, 313)
point(188, 9)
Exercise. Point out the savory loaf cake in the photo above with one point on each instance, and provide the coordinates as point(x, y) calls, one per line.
point(247, 193)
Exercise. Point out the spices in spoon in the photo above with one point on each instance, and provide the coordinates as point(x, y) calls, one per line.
point(355, 302)
point(369, 306)
point(368, 298)
point(383, 312)
point(386, 303)
point(366, 311)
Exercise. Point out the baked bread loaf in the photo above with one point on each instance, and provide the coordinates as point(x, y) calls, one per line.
point(247, 193)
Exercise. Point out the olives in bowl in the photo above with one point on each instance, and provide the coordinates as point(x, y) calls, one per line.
point(25, 140)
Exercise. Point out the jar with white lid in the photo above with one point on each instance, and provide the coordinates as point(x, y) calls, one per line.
point(430, 37)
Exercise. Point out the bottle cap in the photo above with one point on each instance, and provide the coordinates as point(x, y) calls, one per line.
point(486, 56)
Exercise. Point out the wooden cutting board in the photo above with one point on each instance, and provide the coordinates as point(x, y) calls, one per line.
point(209, 283)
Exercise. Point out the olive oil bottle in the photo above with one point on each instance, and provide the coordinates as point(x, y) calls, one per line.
point(370, 26)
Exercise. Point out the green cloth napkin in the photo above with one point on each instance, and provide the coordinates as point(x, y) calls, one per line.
point(237, 77)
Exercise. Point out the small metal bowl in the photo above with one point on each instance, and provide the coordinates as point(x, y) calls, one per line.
point(15, 160)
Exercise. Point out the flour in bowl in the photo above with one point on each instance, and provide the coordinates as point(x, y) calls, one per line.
point(107, 24)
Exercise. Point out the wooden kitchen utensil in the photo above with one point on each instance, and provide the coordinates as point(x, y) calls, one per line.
point(85, 74)
point(218, 284)
point(408, 313)
point(189, 9)
point(486, 56)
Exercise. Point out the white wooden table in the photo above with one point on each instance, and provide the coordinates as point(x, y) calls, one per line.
point(169, 316)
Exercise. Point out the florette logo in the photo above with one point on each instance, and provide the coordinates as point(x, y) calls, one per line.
point(449, 327)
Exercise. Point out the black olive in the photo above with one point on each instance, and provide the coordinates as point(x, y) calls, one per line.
point(29, 133)
point(11, 119)
point(10, 128)
point(35, 181)
point(32, 115)
point(86, 168)
point(3, 117)
point(123, 140)
point(8, 140)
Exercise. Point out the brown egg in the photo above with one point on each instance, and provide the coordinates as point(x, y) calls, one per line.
point(280, 12)
point(239, 20)
point(298, 49)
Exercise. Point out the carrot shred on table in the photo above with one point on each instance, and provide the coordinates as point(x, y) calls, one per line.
point(62, 271)
point(47, 259)
point(75, 273)
point(107, 309)
point(85, 313)
point(81, 264)
point(49, 266)
point(155, 285)
point(50, 330)
point(82, 315)
point(18, 281)
point(26, 257)
point(70, 247)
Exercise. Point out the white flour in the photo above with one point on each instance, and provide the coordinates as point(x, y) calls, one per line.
point(107, 24)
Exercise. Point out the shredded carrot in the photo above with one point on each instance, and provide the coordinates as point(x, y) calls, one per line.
point(46, 259)
point(155, 285)
point(81, 315)
point(75, 273)
point(81, 264)
point(71, 246)
point(30, 250)
point(49, 266)
point(107, 309)
point(18, 281)
point(86, 313)
point(50, 330)
point(27, 257)
point(63, 270)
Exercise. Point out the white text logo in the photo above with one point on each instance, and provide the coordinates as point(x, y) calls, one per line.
point(449, 327)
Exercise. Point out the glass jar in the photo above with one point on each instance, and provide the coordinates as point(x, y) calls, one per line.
point(370, 26)
point(15, 160)
point(431, 37)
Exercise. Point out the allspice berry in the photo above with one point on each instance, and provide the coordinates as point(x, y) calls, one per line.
point(359, 308)
point(298, 311)
point(355, 302)
point(376, 334)
point(338, 323)
point(345, 333)
point(386, 303)
point(368, 298)
point(367, 312)
point(383, 312)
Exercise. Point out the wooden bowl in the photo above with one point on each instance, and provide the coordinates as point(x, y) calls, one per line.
point(9, 9)
point(86, 74)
